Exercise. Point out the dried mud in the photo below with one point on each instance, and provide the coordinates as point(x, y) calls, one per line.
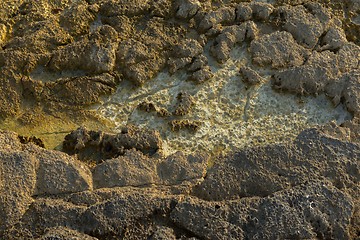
point(189, 119)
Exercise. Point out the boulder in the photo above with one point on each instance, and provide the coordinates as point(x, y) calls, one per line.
point(17, 185)
point(59, 173)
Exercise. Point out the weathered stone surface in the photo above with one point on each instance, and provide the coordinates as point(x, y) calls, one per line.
point(250, 76)
point(3, 33)
point(225, 16)
point(184, 104)
point(98, 145)
point(95, 54)
point(79, 91)
point(163, 233)
point(124, 7)
point(347, 89)
point(64, 233)
point(265, 170)
point(120, 215)
point(183, 54)
point(59, 58)
point(334, 39)
point(9, 141)
point(278, 49)
point(306, 211)
point(186, 9)
point(17, 185)
point(45, 214)
point(334, 74)
point(244, 12)
point(59, 173)
point(261, 11)
point(138, 62)
point(177, 168)
point(76, 19)
point(305, 25)
point(132, 169)
point(206, 219)
point(201, 75)
point(226, 40)
point(136, 169)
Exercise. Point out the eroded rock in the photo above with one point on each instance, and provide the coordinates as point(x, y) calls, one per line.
point(186, 9)
point(17, 185)
point(98, 145)
point(132, 169)
point(306, 27)
point(184, 103)
point(279, 50)
point(59, 173)
point(265, 170)
point(95, 54)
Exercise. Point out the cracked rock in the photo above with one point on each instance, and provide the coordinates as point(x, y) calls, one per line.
point(95, 54)
point(186, 9)
point(106, 145)
point(250, 76)
point(278, 49)
point(305, 27)
point(265, 170)
point(224, 16)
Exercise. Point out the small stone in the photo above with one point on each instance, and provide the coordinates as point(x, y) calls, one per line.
point(184, 103)
point(177, 125)
point(225, 16)
point(250, 76)
point(244, 12)
point(187, 8)
point(201, 75)
point(278, 49)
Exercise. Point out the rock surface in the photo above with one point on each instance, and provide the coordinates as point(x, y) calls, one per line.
point(204, 119)
point(307, 189)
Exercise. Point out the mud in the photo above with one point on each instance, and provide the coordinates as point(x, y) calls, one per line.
point(179, 119)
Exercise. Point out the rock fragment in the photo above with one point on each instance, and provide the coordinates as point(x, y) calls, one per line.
point(263, 171)
point(58, 173)
point(95, 54)
point(132, 169)
point(224, 16)
point(177, 125)
point(184, 104)
point(334, 39)
point(64, 233)
point(183, 54)
point(186, 9)
point(250, 76)
point(76, 19)
point(107, 146)
point(17, 185)
point(305, 27)
point(137, 61)
point(304, 211)
point(178, 168)
point(278, 49)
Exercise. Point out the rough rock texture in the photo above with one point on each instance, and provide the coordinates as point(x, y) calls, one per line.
point(61, 60)
point(278, 50)
point(91, 144)
point(307, 189)
point(254, 172)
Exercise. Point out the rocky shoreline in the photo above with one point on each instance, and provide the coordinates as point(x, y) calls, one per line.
point(182, 135)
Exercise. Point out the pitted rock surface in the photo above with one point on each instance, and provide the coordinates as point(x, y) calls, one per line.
point(198, 119)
